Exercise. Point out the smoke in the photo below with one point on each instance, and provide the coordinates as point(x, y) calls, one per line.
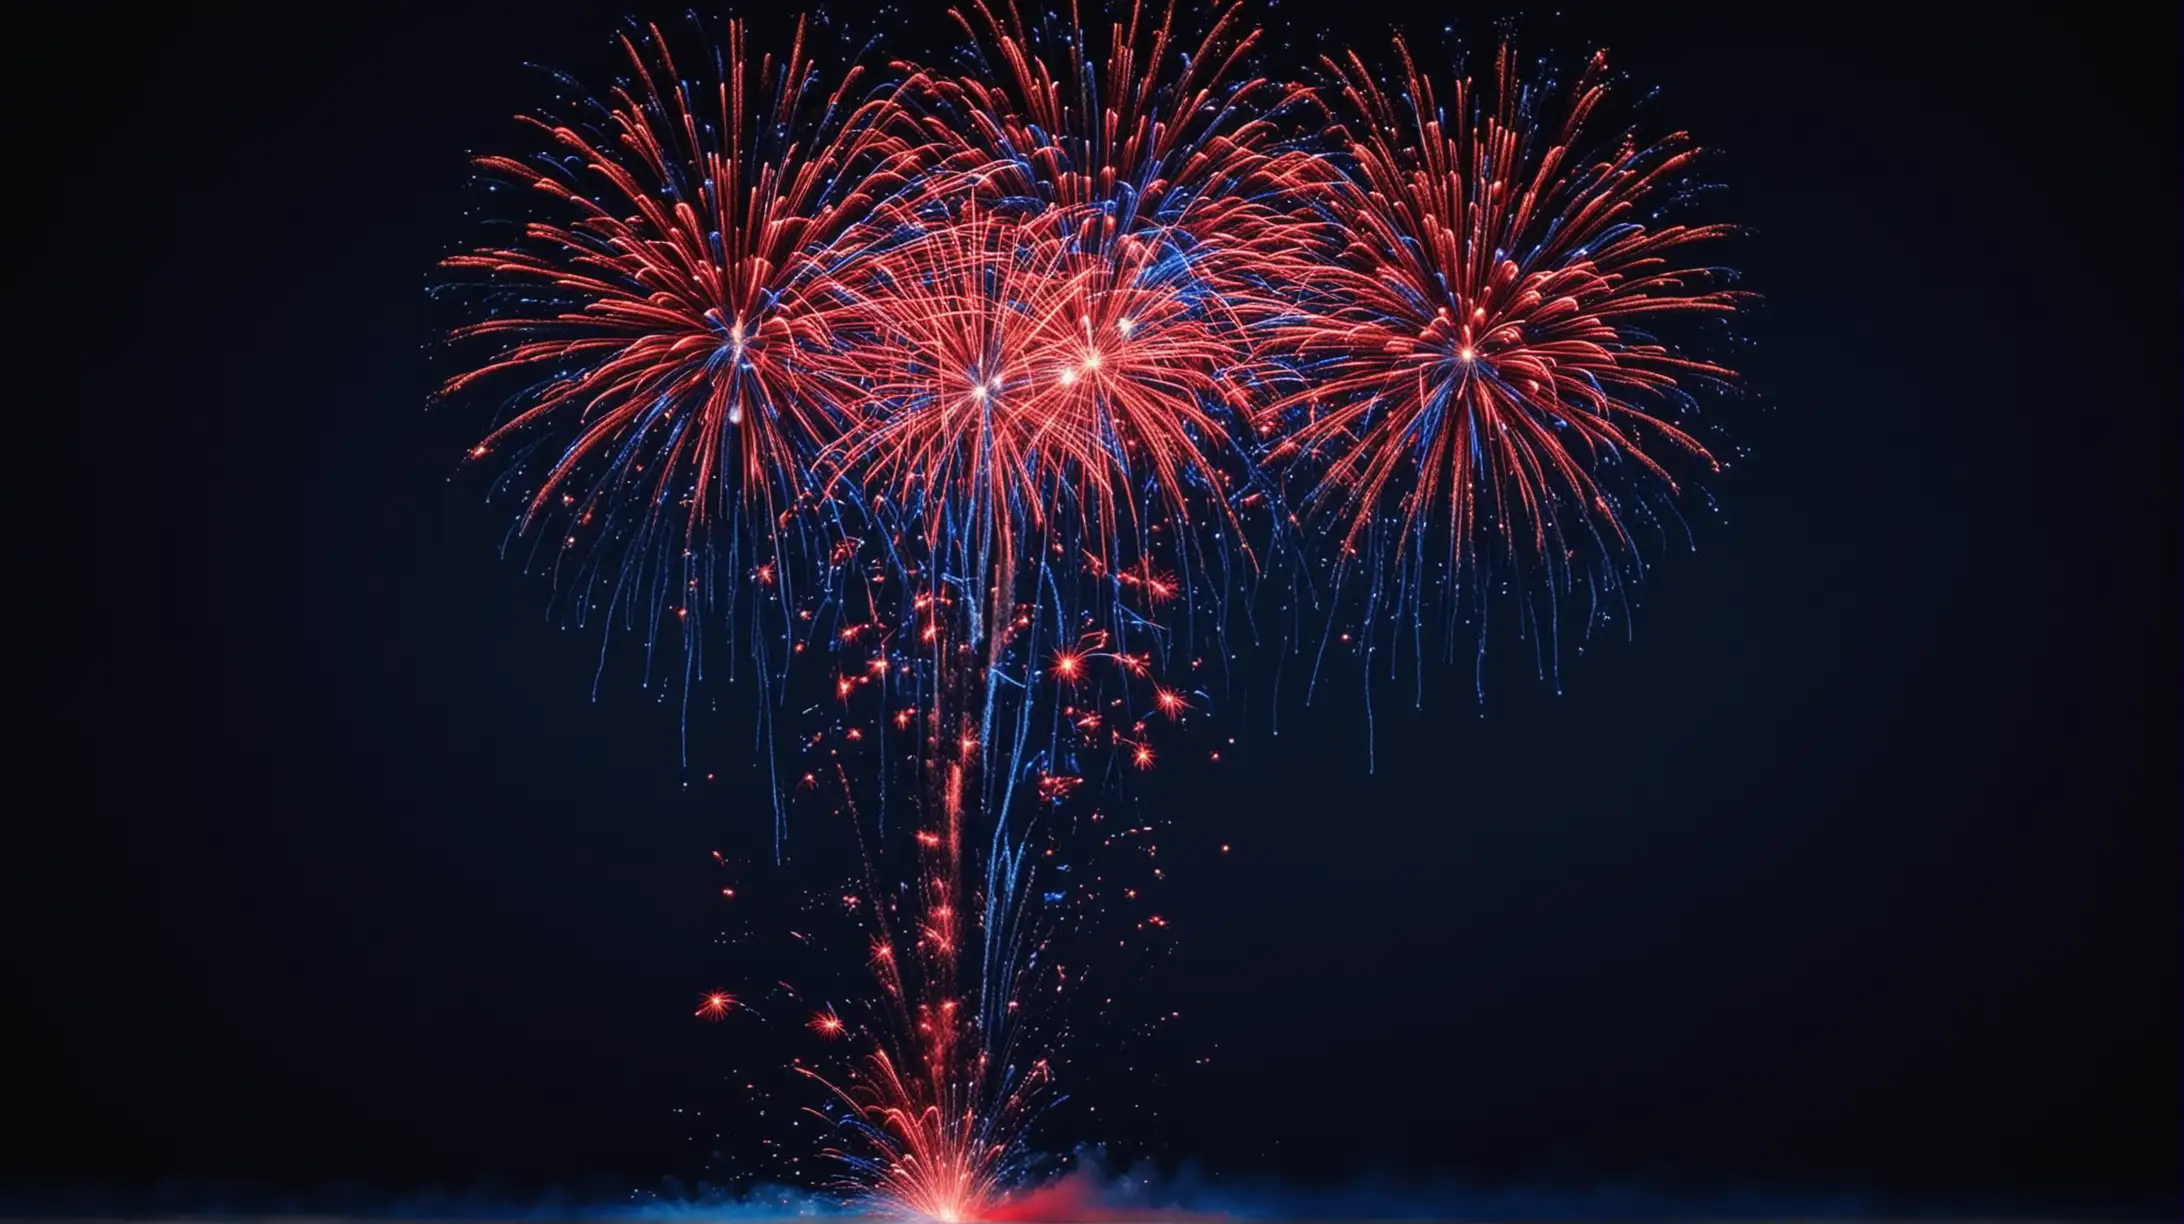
point(1090, 1192)
point(597, 1199)
point(1093, 1193)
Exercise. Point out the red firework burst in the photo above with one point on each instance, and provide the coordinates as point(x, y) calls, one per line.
point(664, 310)
point(715, 1006)
point(1478, 354)
point(1022, 394)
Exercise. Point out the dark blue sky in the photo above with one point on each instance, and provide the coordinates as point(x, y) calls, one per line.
point(1856, 870)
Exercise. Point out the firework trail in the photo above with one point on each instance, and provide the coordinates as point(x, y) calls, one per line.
point(966, 943)
point(1480, 388)
point(937, 1113)
point(1039, 423)
point(1052, 340)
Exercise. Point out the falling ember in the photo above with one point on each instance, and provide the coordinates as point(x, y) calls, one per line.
point(826, 1024)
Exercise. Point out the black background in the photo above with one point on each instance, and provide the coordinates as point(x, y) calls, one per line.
point(1856, 871)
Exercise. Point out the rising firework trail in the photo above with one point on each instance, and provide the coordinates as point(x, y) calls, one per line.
point(1040, 421)
point(934, 1118)
point(1052, 342)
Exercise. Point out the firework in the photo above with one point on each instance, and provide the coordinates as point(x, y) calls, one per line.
point(938, 1111)
point(716, 1006)
point(666, 311)
point(1475, 357)
point(654, 321)
point(1027, 400)
point(1056, 339)
point(988, 382)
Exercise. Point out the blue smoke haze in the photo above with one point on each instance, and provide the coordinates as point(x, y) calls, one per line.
point(1134, 1196)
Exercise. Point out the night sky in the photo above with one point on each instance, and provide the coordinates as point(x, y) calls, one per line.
point(1856, 871)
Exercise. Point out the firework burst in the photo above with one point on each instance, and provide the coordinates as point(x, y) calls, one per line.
point(715, 1006)
point(1476, 357)
point(1029, 402)
point(654, 322)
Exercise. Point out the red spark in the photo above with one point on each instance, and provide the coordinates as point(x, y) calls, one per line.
point(716, 1006)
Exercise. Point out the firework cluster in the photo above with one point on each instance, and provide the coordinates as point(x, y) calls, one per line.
point(1132, 311)
point(981, 399)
